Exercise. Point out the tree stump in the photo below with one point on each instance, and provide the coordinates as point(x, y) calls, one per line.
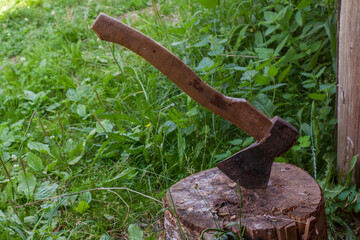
point(292, 206)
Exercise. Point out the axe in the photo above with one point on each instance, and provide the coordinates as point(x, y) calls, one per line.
point(250, 167)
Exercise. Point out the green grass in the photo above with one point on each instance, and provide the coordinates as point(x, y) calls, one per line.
point(107, 119)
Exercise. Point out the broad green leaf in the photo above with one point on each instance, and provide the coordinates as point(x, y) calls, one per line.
point(90, 135)
point(17, 125)
point(313, 61)
point(259, 40)
point(309, 85)
point(326, 87)
point(303, 46)
point(204, 40)
point(168, 127)
point(282, 13)
point(109, 217)
point(280, 160)
point(82, 207)
point(262, 80)
point(304, 3)
point(352, 165)
point(289, 56)
point(40, 147)
point(201, 43)
point(334, 192)
point(81, 110)
point(6, 137)
point(247, 141)
point(50, 166)
point(236, 141)
point(283, 74)
point(7, 193)
point(216, 49)
point(281, 45)
point(271, 29)
point(205, 63)
point(106, 125)
point(317, 96)
point(300, 113)
point(26, 183)
point(74, 150)
point(105, 237)
point(304, 141)
point(188, 129)
point(241, 36)
point(296, 148)
point(287, 96)
point(248, 75)
point(72, 95)
point(74, 160)
point(51, 107)
point(270, 16)
point(85, 90)
point(30, 220)
point(34, 161)
point(45, 190)
point(86, 196)
point(320, 72)
point(263, 65)
point(306, 128)
point(29, 95)
point(209, 3)
point(272, 87)
point(309, 75)
point(193, 112)
point(315, 46)
point(135, 232)
point(5, 156)
point(264, 104)
point(177, 117)
point(264, 52)
point(69, 145)
point(272, 71)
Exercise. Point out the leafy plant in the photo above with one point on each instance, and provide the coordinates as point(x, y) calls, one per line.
point(101, 117)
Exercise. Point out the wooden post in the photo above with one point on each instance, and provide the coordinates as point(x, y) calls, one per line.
point(292, 207)
point(348, 102)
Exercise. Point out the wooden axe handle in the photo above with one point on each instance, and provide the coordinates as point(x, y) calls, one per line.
point(236, 110)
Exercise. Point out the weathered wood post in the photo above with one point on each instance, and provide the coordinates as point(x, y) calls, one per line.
point(348, 102)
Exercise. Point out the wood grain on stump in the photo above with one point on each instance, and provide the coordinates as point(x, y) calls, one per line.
point(292, 206)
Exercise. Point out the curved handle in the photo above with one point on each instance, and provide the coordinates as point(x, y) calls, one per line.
point(236, 110)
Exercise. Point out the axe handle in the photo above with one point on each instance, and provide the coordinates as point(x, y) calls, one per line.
point(236, 110)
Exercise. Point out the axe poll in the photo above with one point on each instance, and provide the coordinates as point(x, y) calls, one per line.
point(250, 167)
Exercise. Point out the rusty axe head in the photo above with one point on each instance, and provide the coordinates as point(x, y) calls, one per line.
point(251, 166)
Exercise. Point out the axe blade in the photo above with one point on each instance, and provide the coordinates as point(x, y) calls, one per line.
point(251, 166)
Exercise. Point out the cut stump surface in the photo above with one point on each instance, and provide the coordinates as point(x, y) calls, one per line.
point(292, 206)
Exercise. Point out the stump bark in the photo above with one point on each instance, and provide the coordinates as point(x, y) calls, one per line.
point(292, 206)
